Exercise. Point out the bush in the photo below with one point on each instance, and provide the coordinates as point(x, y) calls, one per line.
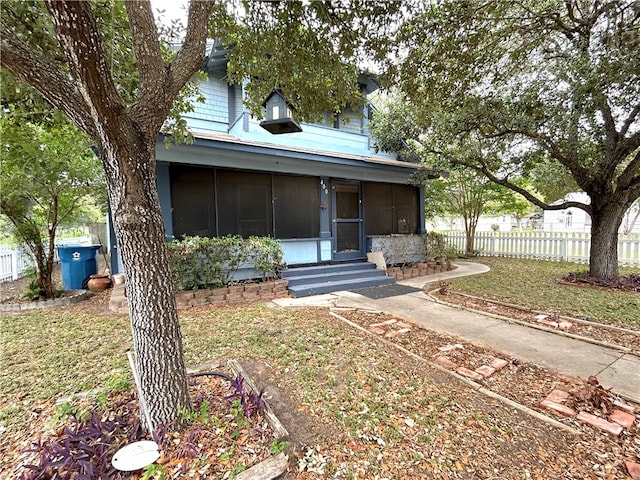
point(436, 248)
point(266, 255)
point(198, 262)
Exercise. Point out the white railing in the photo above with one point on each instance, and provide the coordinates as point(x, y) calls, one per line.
point(571, 247)
point(15, 261)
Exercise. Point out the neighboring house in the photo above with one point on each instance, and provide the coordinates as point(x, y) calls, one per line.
point(569, 220)
point(500, 223)
point(321, 192)
point(577, 220)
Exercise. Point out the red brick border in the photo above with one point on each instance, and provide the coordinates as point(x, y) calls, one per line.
point(420, 270)
point(235, 294)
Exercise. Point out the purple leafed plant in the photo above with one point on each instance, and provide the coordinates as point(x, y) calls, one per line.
point(83, 449)
point(251, 402)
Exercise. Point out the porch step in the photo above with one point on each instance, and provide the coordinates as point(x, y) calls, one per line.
point(307, 281)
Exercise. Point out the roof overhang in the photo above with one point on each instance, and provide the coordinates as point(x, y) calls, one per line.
point(228, 151)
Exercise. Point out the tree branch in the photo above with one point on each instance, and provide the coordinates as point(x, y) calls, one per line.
point(78, 35)
point(160, 81)
point(192, 54)
point(46, 78)
point(629, 120)
point(630, 178)
point(484, 170)
point(572, 163)
point(146, 47)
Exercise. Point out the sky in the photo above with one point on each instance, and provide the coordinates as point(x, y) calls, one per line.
point(172, 9)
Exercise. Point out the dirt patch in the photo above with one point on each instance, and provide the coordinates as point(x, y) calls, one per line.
point(302, 430)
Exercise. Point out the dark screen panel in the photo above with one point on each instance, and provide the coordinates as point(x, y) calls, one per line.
point(244, 204)
point(390, 208)
point(378, 209)
point(193, 201)
point(405, 200)
point(296, 203)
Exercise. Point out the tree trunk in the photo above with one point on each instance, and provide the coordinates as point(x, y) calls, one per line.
point(47, 281)
point(125, 135)
point(470, 231)
point(43, 262)
point(605, 222)
point(143, 247)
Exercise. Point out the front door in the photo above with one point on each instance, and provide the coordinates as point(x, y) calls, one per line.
point(347, 221)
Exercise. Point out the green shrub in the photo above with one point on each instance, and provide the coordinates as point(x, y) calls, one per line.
point(198, 262)
point(266, 255)
point(436, 248)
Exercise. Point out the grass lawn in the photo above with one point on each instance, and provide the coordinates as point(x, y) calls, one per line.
point(532, 283)
point(361, 408)
point(366, 410)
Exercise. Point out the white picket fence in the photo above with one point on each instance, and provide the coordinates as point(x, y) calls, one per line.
point(15, 260)
point(570, 247)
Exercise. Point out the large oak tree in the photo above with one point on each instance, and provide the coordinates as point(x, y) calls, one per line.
point(75, 54)
point(550, 86)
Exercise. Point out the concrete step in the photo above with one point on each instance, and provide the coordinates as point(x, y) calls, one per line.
point(307, 290)
point(315, 280)
point(326, 269)
point(335, 276)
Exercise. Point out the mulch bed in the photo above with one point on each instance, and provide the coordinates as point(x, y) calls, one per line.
point(220, 439)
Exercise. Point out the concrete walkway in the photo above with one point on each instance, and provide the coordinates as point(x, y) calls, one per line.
point(614, 369)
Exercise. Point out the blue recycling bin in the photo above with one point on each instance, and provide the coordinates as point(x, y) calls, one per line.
point(78, 262)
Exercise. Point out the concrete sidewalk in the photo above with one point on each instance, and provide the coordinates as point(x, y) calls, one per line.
point(614, 369)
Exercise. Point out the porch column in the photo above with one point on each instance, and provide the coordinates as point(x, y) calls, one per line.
point(421, 219)
point(324, 245)
point(325, 211)
point(163, 184)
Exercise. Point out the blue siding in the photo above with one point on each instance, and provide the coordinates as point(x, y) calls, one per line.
point(216, 105)
point(223, 112)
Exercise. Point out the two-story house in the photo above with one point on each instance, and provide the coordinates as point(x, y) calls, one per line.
point(321, 192)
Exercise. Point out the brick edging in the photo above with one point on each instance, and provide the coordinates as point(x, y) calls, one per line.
point(419, 270)
point(541, 327)
point(234, 294)
point(476, 386)
point(77, 296)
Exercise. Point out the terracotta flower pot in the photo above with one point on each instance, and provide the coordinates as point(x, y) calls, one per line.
point(99, 282)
